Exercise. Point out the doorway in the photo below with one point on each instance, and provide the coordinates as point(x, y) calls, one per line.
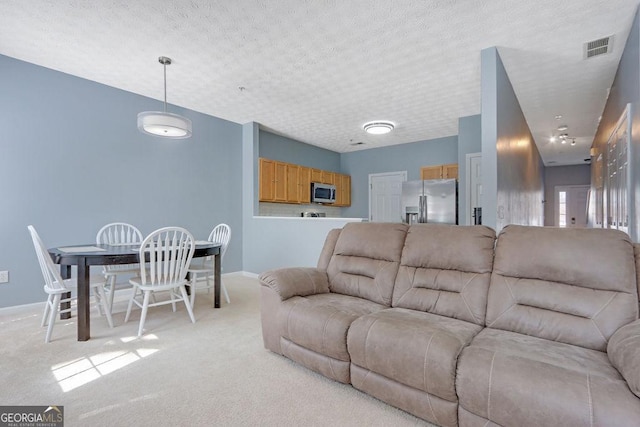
point(385, 195)
point(571, 205)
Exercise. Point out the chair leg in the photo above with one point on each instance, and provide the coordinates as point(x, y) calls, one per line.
point(194, 279)
point(226, 295)
point(105, 305)
point(52, 316)
point(185, 298)
point(47, 307)
point(112, 291)
point(172, 294)
point(143, 315)
point(134, 291)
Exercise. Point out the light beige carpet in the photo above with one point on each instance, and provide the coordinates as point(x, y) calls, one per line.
point(213, 372)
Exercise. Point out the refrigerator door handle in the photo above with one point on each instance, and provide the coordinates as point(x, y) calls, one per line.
point(426, 212)
point(423, 209)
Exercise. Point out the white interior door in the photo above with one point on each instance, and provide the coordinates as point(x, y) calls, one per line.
point(385, 194)
point(571, 205)
point(473, 185)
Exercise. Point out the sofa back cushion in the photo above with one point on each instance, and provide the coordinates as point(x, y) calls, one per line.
point(576, 286)
point(328, 248)
point(445, 270)
point(365, 260)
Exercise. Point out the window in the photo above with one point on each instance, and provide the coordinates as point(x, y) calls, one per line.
point(562, 209)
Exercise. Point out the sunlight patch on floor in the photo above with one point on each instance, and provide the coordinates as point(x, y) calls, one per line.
point(76, 373)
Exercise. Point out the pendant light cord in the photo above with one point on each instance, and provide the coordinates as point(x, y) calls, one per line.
point(165, 86)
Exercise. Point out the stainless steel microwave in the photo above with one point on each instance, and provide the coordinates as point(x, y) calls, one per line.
point(323, 193)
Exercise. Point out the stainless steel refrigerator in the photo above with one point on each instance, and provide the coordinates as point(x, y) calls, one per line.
point(433, 200)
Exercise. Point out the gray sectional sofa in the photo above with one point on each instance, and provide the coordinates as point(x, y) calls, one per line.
point(538, 327)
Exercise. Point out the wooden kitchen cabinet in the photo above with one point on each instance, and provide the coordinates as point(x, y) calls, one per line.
point(304, 184)
point(316, 175)
point(447, 171)
point(280, 188)
point(267, 180)
point(293, 183)
point(343, 190)
point(328, 177)
point(450, 171)
point(273, 181)
point(283, 182)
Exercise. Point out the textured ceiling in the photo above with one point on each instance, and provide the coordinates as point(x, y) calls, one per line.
point(317, 70)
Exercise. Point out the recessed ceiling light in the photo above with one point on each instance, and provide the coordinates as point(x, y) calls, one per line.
point(562, 128)
point(378, 127)
point(559, 116)
point(552, 139)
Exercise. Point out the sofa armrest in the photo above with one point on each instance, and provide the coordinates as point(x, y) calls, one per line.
point(299, 281)
point(624, 353)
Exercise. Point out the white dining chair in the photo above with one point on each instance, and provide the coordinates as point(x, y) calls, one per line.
point(55, 286)
point(118, 233)
point(221, 233)
point(169, 251)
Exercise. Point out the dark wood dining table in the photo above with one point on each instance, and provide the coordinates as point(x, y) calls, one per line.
point(85, 256)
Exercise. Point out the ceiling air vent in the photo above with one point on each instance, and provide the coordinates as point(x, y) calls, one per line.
point(598, 47)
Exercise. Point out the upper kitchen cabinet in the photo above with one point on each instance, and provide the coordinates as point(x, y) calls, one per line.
point(273, 181)
point(289, 183)
point(293, 183)
point(343, 190)
point(448, 171)
point(304, 185)
point(316, 175)
point(328, 178)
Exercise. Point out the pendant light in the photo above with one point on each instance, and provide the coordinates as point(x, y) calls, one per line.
point(161, 123)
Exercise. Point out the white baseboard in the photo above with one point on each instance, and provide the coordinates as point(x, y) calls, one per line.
point(247, 274)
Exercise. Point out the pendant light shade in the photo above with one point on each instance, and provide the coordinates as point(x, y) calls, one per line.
point(162, 123)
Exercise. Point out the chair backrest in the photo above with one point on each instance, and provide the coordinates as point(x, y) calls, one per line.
point(221, 233)
point(52, 278)
point(118, 233)
point(170, 250)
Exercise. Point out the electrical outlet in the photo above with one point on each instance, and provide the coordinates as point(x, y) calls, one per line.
point(4, 276)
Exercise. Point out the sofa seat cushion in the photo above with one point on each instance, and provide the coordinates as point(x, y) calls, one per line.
point(320, 322)
point(414, 348)
point(514, 379)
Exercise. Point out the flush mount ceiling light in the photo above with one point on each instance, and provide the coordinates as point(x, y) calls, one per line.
point(378, 127)
point(161, 123)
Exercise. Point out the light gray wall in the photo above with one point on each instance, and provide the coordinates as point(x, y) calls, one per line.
point(74, 160)
point(276, 147)
point(405, 157)
point(625, 89)
point(512, 170)
point(469, 141)
point(561, 175)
